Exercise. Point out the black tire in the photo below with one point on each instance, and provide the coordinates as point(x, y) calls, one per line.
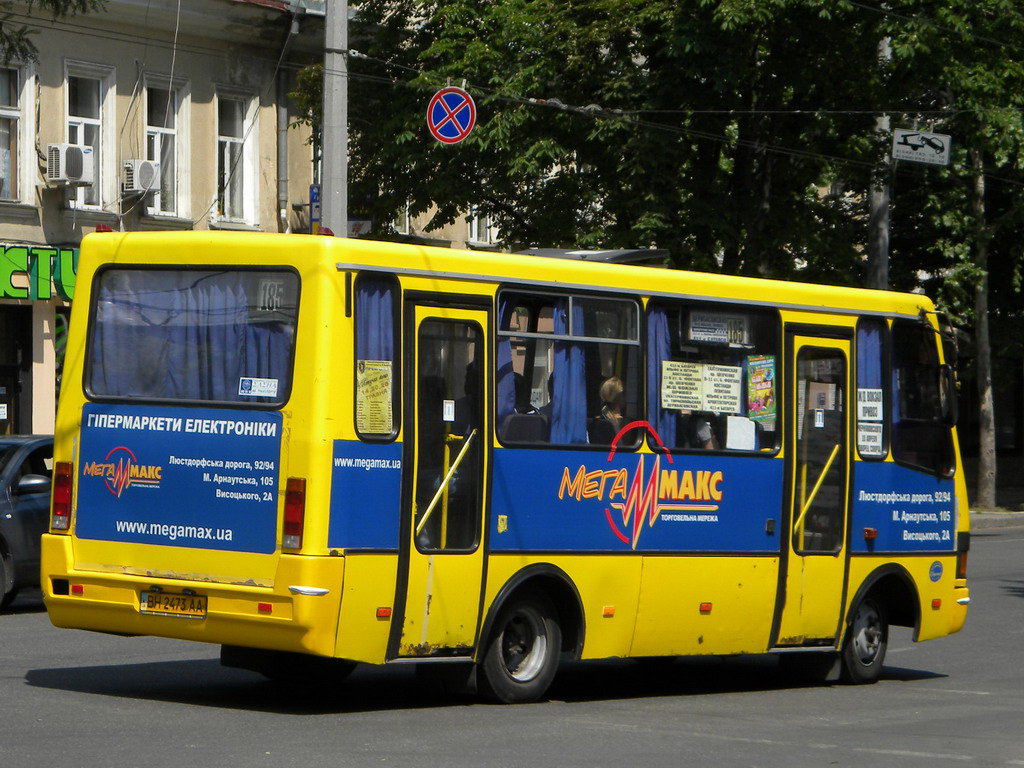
point(522, 653)
point(866, 640)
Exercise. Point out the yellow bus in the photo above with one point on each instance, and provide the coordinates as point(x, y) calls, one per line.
point(308, 448)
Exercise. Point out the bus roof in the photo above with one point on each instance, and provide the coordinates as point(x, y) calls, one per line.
point(528, 271)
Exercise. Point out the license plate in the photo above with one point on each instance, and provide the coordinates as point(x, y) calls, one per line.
point(172, 604)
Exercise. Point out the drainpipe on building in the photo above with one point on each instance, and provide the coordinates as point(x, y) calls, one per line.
point(282, 132)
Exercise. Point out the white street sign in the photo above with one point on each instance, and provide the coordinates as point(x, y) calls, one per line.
point(920, 147)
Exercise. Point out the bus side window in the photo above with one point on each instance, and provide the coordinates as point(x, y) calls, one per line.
point(377, 383)
point(920, 437)
point(712, 376)
point(554, 354)
point(872, 434)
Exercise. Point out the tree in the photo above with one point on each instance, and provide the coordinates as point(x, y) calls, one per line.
point(16, 38)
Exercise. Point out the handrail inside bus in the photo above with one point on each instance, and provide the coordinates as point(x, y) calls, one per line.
point(817, 487)
point(444, 484)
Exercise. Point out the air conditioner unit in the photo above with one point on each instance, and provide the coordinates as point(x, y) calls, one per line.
point(141, 176)
point(70, 164)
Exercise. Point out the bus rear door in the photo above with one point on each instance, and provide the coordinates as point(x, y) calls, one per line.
point(442, 556)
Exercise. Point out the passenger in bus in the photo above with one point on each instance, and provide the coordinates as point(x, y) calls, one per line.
point(602, 428)
point(523, 404)
point(699, 430)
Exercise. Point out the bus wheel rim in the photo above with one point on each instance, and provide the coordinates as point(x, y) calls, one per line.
point(867, 634)
point(524, 645)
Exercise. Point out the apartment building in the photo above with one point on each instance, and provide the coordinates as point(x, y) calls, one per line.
point(182, 112)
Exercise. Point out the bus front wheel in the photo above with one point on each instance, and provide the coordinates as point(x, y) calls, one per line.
point(522, 653)
point(864, 648)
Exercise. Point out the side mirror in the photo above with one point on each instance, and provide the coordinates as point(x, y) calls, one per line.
point(32, 484)
point(947, 395)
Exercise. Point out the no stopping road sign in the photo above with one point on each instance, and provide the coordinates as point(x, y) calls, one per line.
point(451, 115)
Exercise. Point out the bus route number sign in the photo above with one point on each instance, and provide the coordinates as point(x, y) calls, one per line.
point(451, 115)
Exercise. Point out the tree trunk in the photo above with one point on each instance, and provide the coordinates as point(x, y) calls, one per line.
point(986, 493)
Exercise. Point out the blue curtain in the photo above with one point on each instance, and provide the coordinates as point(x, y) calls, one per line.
point(869, 355)
point(375, 318)
point(569, 412)
point(186, 335)
point(659, 348)
point(506, 381)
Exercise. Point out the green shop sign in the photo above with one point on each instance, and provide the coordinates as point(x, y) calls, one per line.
point(50, 271)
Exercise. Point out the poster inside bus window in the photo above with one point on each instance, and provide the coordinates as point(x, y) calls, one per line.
point(761, 389)
point(373, 397)
point(718, 328)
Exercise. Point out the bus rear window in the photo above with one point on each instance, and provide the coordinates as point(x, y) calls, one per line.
point(212, 336)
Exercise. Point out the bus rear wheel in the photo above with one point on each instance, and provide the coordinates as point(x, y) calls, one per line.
point(522, 654)
point(866, 641)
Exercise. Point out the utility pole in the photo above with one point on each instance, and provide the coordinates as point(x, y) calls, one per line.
point(879, 199)
point(334, 131)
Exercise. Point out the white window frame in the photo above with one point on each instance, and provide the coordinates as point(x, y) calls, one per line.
point(107, 183)
point(182, 182)
point(481, 231)
point(25, 130)
point(403, 221)
point(247, 165)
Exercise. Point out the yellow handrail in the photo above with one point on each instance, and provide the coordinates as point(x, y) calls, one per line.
point(817, 487)
point(444, 484)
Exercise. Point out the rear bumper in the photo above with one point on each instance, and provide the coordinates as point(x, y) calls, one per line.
point(109, 602)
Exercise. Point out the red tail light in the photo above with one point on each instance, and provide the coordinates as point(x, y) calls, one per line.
point(961, 565)
point(60, 520)
point(294, 513)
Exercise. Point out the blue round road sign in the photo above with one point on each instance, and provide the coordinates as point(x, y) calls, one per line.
point(451, 115)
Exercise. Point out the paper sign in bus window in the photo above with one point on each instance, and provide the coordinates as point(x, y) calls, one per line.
point(250, 386)
point(869, 405)
point(719, 328)
point(869, 438)
point(373, 397)
point(701, 387)
point(682, 385)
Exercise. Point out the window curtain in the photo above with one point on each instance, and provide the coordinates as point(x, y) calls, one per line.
point(869, 356)
point(506, 380)
point(375, 318)
point(659, 349)
point(569, 412)
point(185, 336)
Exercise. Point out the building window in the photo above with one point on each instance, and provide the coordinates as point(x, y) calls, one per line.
point(481, 230)
point(402, 221)
point(85, 127)
point(10, 125)
point(234, 185)
point(162, 141)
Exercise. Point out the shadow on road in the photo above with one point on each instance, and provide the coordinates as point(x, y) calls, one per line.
point(1013, 588)
point(203, 682)
point(27, 601)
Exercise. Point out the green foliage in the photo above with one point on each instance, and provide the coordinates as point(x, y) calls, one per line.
point(16, 38)
point(737, 134)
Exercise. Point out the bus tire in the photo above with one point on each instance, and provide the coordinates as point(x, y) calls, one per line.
point(866, 641)
point(522, 653)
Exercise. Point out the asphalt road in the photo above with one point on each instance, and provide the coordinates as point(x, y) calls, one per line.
point(70, 698)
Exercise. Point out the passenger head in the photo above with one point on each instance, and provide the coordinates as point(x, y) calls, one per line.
point(522, 393)
point(612, 391)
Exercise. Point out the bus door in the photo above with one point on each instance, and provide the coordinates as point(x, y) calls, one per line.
point(817, 448)
point(443, 548)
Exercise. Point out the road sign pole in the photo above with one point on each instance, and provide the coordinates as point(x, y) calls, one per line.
point(335, 120)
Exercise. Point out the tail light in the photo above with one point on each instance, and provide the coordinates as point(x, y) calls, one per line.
point(60, 520)
point(294, 513)
point(963, 546)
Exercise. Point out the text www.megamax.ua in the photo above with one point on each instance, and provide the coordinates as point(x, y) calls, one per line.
point(174, 532)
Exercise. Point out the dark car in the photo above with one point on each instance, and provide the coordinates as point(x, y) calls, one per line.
point(26, 469)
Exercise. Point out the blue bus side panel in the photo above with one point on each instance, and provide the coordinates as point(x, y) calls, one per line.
point(592, 502)
point(366, 491)
point(187, 477)
point(912, 511)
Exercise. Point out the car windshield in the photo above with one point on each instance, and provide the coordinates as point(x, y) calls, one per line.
point(6, 452)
